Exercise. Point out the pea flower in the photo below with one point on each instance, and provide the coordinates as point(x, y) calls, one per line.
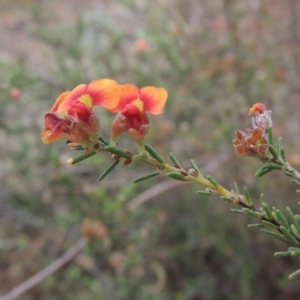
point(262, 117)
point(257, 108)
point(255, 141)
point(72, 116)
point(132, 117)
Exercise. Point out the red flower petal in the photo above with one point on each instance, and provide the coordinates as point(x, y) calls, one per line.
point(74, 96)
point(67, 99)
point(102, 92)
point(133, 110)
point(59, 104)
point(80, 111)
point(257, 108)
point(129, 93)
point(52, 128)
point(105, 93)
point(154, 99)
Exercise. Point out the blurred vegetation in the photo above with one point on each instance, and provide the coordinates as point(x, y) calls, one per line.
point(215, 58)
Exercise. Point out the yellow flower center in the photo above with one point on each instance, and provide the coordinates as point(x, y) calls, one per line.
point(62, 114)
point(139, 104)
point(86, 100)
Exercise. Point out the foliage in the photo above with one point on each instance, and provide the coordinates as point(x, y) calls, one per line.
point(215, 59)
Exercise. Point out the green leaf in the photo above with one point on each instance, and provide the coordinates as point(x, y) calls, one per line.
point(279, 144)
point(212, 180)
point(103, 140)
point(281, 218)
point(236, 188)
point(195, 166)
point(275, 217)
point(247, 196)
point(235, 210)
point(275, 234)
point(154, 154)
point(273, 151)
point(228, 199)
point(294, 249)
point(294, 275)
point(174, 159)
point(283, 253)
point(289, 174)
point(282, 153)
point(118, 151)
point(293, 219)
point(145, 177)
point(267, 211)
point(266, 168)
point(255, 225)
point(262, 171)
point(252, 213)
point(82, 157)
point(176, 176)
point(204, 193)
point(270, 136)
point(294, 230)
point(288, 235)
point(273, 166)
point(108, 170)
point(296, 182)
point(270, 224)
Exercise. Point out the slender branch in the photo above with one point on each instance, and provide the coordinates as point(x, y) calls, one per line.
point(184, 175)
point(167, 185)
point(212, 187)
point(46, 272)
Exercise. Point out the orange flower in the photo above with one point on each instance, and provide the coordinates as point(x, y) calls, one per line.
point(132, 111)
point(254, 143)
point(257, 108)
point(72, 117)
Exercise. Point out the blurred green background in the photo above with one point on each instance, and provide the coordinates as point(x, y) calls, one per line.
point(216, 58)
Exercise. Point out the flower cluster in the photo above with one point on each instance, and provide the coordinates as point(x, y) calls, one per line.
point(255, 141)
point(73, 118)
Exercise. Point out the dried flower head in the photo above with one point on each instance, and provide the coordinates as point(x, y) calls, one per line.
point(253, 143)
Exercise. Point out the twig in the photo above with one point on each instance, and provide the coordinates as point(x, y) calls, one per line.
point(165, 186)
point(46, 272)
